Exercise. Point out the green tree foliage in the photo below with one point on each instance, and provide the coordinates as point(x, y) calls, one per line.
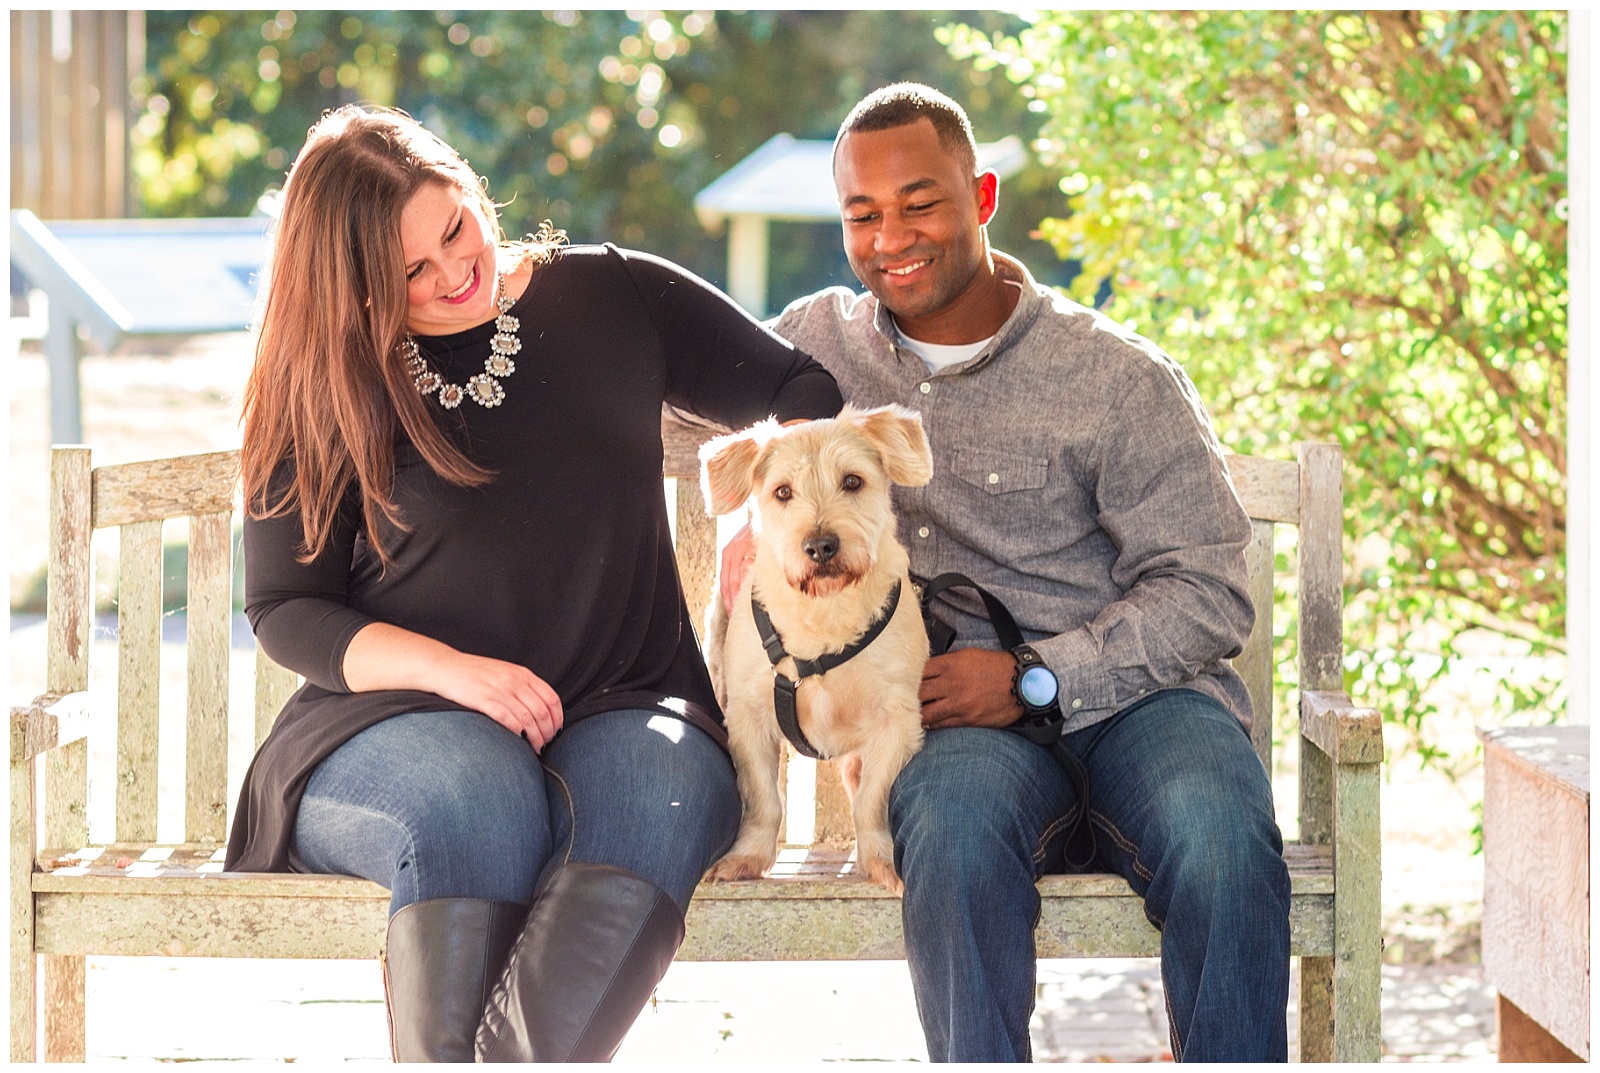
point(1348, 226)
point(605, 122)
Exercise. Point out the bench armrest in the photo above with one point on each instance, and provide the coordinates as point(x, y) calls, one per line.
point(47, 722)
point(1347, 734)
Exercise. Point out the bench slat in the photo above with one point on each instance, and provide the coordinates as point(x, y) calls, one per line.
point(165, 488)
point(138, 679)
point(274, 685)
point(192, 923)
point(812, 909)
point(801, 872)
point(202, 925)
point(1269, 488)
point(208, 644)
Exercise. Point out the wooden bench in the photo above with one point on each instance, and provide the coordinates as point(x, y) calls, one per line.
point(70, 899)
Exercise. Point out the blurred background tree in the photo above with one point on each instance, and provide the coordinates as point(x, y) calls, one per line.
point(606, 122)
point(1348, 226)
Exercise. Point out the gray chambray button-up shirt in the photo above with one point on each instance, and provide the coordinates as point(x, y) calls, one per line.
point(1077, 477)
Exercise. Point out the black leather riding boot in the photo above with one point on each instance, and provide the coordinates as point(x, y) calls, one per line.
point(597, 941)
point(441, 960)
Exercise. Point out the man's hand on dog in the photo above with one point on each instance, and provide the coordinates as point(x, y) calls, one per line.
point(970, 687)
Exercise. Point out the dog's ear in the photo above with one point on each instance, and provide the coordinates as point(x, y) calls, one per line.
point(897, 434)
point(727, 471)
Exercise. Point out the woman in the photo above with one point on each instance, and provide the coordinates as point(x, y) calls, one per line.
point(455, 530)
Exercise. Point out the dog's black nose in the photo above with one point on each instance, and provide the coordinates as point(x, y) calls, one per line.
point(819, 549)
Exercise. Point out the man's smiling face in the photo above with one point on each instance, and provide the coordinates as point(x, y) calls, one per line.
point(913, 215)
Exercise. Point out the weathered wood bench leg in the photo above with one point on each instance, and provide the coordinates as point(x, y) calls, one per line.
point(66, 826)
point(1316, 1009)
point(1358, 923)
point(1316, 974)
point(24, 980)
point(64, 984)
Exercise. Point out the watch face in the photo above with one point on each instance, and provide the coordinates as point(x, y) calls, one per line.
point(1037, 687)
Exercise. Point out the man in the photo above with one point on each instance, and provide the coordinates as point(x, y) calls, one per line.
point(1077, 478)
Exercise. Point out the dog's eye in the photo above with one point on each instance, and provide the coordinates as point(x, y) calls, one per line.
point(783, 493)
point(851, 483)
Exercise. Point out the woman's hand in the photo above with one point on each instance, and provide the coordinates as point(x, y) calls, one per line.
point(508, 693)
point(737, 556)
point(381, 656)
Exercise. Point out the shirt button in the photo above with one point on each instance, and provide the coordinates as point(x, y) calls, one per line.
point(1077, 702)
point(923, 532)
point(994, 478)
point(924, 387)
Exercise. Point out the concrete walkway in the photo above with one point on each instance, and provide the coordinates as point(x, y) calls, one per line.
point(252, 1012)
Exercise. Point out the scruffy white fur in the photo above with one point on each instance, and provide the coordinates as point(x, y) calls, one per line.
point(865, 710)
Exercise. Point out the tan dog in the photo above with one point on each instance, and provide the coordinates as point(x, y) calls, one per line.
point(826, 562)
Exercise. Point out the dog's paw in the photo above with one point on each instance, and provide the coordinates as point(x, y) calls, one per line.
point(736, 866)
point(883, 874)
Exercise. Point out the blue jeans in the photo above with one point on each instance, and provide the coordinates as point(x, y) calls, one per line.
point(1181, 807)
point(452, 805)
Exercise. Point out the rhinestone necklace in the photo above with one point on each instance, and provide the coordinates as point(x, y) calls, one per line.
point(483, 389)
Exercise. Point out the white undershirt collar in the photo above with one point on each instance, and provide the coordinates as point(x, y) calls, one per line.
point(937, 356)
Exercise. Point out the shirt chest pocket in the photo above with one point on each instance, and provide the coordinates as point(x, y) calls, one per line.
point(999, 472)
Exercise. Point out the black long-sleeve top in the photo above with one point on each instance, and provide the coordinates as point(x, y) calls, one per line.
point(563, 563)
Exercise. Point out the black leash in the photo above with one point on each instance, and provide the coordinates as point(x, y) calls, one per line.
point(1044, 730)
point(784, 689)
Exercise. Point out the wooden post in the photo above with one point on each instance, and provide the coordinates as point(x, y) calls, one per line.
point(24, 967)
point(747, 261)
point(70, 602)
point(1357, 915)
point(1320, 571)
point(61, 360)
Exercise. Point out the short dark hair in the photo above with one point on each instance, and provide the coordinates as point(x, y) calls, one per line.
point(902, 104)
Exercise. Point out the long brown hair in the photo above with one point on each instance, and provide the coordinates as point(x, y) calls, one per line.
point(329, 390)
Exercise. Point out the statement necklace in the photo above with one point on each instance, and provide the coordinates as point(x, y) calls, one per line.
point(483, 389)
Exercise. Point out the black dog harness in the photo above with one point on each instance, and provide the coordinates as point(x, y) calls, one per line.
point(784, 689)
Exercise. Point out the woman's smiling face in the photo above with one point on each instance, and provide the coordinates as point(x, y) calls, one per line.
point(450, 260)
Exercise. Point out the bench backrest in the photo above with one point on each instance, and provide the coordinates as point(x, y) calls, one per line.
point(137, 498)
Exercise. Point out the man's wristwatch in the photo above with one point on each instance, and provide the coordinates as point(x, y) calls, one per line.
point(1035, 685)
